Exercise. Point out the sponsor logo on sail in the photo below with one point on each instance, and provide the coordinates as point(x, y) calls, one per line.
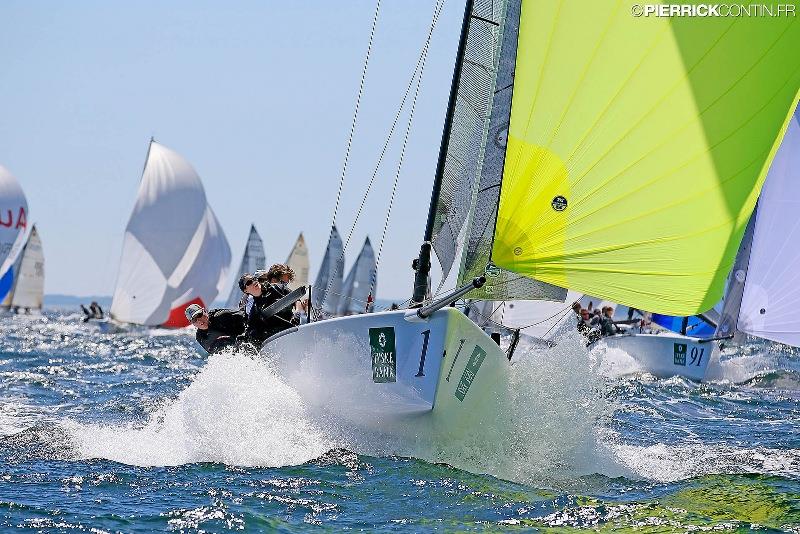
point(559, 203)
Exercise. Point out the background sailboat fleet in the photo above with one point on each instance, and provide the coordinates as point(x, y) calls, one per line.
point(174, 252)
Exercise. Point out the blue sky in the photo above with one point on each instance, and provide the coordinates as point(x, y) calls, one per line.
point(258, 96)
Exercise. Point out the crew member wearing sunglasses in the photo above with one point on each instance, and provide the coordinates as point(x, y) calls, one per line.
point(265, 290)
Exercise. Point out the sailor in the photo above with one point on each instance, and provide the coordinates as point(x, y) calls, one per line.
point(93, 312)
point(265, 290)
point(607, 326)
point(585, 328)
point(596, 318)
point(216, 329)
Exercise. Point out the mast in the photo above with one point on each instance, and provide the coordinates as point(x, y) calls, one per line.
point(422, 265)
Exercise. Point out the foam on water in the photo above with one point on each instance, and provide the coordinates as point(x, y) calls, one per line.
point(235, 411)
point(669, 463)
point(614, 362)
point(238, 410)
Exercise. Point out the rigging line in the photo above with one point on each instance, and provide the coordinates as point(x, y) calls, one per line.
point(420, 65)
point(439, 3)
point(420, 61)
point(355, 113)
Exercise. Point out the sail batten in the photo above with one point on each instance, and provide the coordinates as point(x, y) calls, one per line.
point(174, 251)
point(637, 147)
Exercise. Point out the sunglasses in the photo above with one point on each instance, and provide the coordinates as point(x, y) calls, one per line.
point(249, 283)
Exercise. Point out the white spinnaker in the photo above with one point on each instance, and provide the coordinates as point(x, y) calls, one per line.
point(29, 284)
point(329, 278)
point(537, 318)
point(174, 251)
point(772, 287)
point(362, 277)
point(298, 261)
point(253, 259)
point(13, 224)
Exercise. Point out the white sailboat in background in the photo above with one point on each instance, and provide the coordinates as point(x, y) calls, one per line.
point(328, 285)
point(13, 229)
point(362, 276)
point(27, 292)
point(253, 259)
point(174, 252)
point(298, 262)
point(764, 284)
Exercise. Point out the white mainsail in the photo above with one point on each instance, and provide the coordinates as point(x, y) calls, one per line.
point(298, 261)
point(253, 259)
point(772, 286)
point(13, 225)
point(329, 278)
point(28, 289)
point(361, 278)
point(174, 251)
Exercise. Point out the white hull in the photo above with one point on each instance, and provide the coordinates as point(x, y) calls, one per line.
point(341, 366)
point(665, 354)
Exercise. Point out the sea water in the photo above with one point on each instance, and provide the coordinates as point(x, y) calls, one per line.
point(140, 431)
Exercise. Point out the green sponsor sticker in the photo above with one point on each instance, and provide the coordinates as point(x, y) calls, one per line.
point(470, 371)
point(679, 354)
point(384, 356)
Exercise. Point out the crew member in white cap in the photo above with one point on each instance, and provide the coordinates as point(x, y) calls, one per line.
point(216, 329)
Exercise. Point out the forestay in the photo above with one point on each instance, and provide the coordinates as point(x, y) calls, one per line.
point(772, 287)
point(362, 277)
point(328, 285)
point(28, 291)
point(253, 259)
point(174, 252)
point(13, 224)
point(637, 148)
point(298, 262)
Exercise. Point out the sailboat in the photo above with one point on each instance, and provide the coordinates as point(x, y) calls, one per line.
point(766, 305)
point(174, 252)
point(13, 229)
point(623, 157)
point(298, 262)
point(27, 292)
point(253, 260)
point(328, 286)
point(360, 284)
point(763, 277)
